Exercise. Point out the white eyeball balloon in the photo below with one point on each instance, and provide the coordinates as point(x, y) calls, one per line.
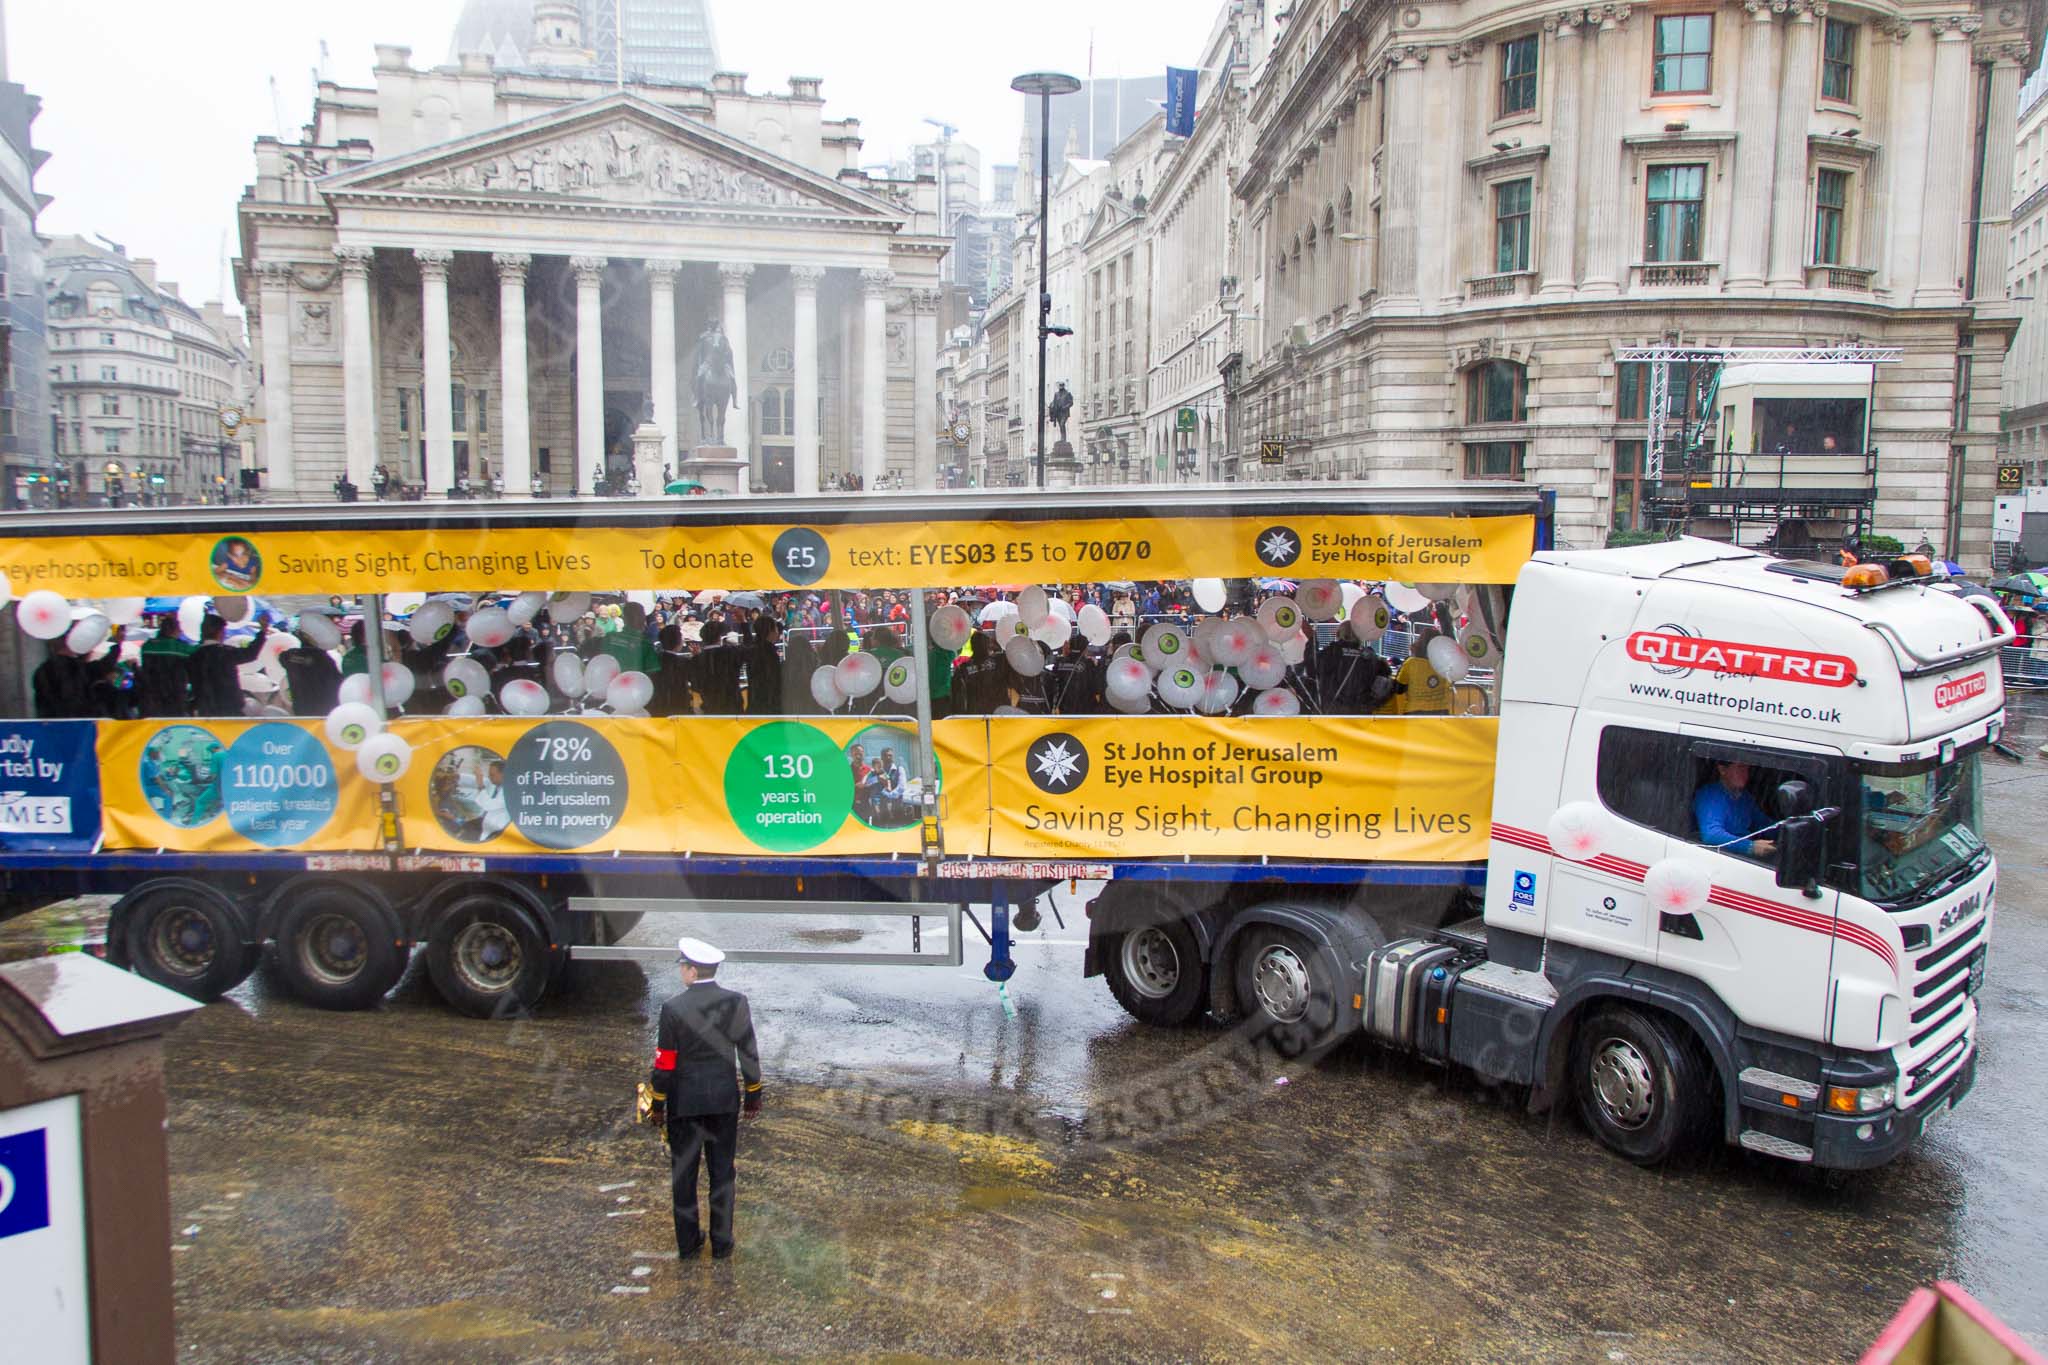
point(1578, 831)
point(352, 722)
point(1267, 667)
point(1032, 607)
point(1138, 705)
point(465, 677)
point(383, 758)
point(1126, 678)
point(431, 623)
point(1219, 693)
point(641, 597)
point(1405, 599)
point(398, 684)
point(88, 633)
point(1370, 618)
point(630, 691)
point(950, 627)
point(490, 627)
point(1321, 599)
point(1294, 649)
point(400, 603)
point(1094, 624)
point(1210, 594)
point(1677, 886)
point(276, 643)
point(1055, 633)
point(525, 607)
point(1279, 617)
point(1234, 642)
point(1276, 701)
point(566, 669)
point(231, 608)
point(899, 681)
point(1062, 608)
point(465, 706)
point(858, 674)
point(1437, 592)
point(565, 607)
point(1446, 660)
point(320, 631)
point(1024, 655)
point(1479, 647)
point(1164, 645)
point(191, 614)
point(825, 688)
point(356, 688)
point(122, 611)
point(598, 675)
point(1352, 592)
point(44, 614)
point(1180, 687)
point(523, 697)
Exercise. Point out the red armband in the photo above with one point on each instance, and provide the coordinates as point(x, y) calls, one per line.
point(665, 1060)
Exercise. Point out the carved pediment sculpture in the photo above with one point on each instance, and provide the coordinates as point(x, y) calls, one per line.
point(622, 162)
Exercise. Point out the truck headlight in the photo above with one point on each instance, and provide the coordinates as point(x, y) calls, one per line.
point(1843, 1099)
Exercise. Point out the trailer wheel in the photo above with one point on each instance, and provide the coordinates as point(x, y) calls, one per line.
point(1643, 1088)
point(337, 950)
point(1155, 972)
point(187, 937)
point(489, 957)
point(1284, 982)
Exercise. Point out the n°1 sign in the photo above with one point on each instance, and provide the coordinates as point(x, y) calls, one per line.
point(2011, 477)
point(1272, 452)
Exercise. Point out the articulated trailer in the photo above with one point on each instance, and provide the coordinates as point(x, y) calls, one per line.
point(1698, 856)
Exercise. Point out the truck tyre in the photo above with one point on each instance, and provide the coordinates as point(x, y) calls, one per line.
point(1155, 972)
point(336, 949)
point(489, 957)
point(1287, 985)
point(1642, 1085)
point(187, 937)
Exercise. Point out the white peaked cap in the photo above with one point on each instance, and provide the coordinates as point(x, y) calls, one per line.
point(698, 952)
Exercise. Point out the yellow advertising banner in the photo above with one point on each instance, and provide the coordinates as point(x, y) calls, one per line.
point(877, 554)
point(1386, 789)
point(216, 785)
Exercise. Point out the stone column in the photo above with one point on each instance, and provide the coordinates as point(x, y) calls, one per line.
point(1756, 140)
point(735, 275)
point(1606, 213)
point(275, 299)
point(358, 366)
point(515, 433)
point(1994, 207)
point(924, 370)
point(436, 377)
point(874, 375)
point(589, 372)
point(1400, 251)
point(1561, 172)
point(661, 358)
point(1798, 76)
point(804, 281)
point(1948, 165)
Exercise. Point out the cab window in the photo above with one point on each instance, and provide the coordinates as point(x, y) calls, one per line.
point(1711, 794)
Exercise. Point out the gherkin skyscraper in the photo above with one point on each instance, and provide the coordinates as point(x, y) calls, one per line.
point(669, 41)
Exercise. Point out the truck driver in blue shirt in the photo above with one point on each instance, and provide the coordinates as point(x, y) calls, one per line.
point(1728, 815)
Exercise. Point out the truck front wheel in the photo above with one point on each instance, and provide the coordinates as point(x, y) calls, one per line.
point(1155, 972)
point(1642, 1086)
point(489, 957)
point(337, 950)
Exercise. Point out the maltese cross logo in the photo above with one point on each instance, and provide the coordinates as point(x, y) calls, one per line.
point(1278, 547)
point(1056, 763)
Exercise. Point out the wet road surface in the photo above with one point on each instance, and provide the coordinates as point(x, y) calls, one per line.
point(932, 1178)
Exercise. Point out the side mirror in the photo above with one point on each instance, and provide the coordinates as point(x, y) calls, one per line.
point(1802, 852)
point(1795, 798)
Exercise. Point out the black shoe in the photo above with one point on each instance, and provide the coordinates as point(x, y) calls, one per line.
point(691, 1253)
point(723, 1253)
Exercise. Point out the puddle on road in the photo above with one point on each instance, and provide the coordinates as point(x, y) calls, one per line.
point(71, 926)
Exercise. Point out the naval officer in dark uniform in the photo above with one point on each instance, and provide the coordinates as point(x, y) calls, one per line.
point(704, 1052)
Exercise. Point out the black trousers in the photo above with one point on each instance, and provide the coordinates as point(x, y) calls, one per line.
point(712, 1138)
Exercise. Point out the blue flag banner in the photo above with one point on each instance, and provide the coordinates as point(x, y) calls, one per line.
point(49, 786)
point(1180, 101)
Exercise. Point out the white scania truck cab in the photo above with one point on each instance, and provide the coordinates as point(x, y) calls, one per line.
point(1824, 974)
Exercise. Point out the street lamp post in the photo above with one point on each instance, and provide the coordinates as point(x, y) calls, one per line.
point(1044, 84)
